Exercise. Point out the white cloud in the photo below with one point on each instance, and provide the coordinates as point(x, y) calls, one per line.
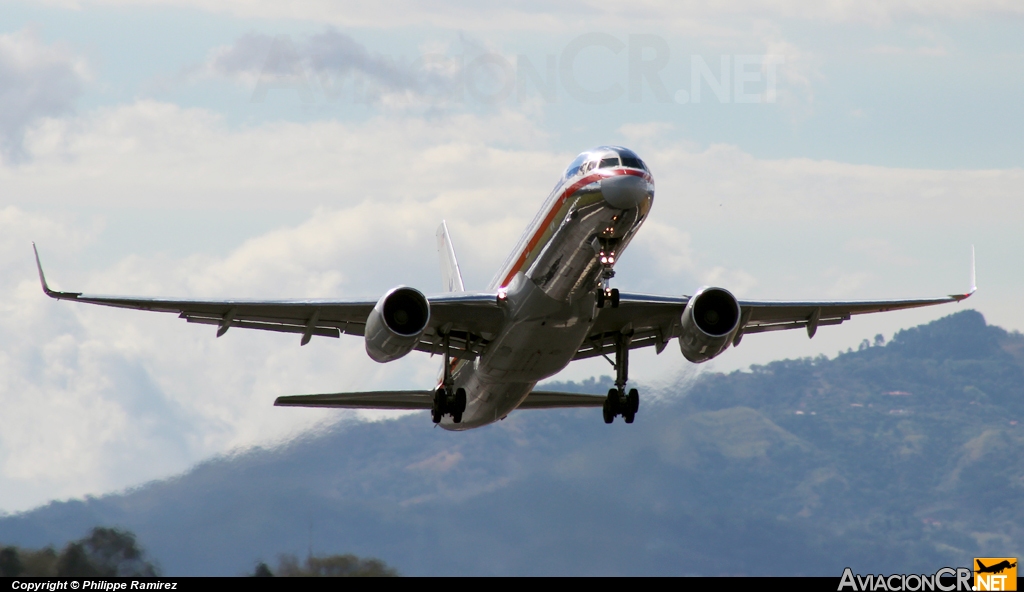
point(880, 250)
point(925, 51)
point(332, 64)
point(538, 15)
point(36, 81)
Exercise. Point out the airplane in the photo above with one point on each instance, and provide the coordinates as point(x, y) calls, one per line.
point(997, 568)
point(550, 303)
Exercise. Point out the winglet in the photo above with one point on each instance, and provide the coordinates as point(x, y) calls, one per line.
point(42, 280)
point(974, 283)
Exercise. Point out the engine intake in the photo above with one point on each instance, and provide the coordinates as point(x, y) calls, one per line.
point(708, 323)
point(396, 324)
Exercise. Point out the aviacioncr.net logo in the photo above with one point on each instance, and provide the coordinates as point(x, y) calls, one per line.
point(946, 579)
point(995, 573)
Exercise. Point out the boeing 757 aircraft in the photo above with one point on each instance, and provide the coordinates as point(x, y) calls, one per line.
point(550, 303)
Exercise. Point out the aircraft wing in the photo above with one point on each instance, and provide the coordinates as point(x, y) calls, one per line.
point(654, 320)
point(473, 318)
point(424, 399)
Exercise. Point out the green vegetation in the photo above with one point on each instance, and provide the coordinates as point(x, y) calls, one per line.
point(329, 566)
point(105, 552)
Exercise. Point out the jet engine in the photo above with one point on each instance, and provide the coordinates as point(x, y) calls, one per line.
point(396, 324)
point(708, 322)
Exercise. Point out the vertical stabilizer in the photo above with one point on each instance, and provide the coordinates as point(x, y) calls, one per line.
point(451, 277)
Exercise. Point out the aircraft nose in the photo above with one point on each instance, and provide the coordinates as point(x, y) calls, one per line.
point(624, 191)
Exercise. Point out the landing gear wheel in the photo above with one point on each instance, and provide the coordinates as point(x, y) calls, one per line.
point(615, 298)
point(600, 297)
point(612, 406)
point(609, 415)
point(457, 417)
point(460, 402)
point(629, 416)
point(440, 407)
point(633, 401)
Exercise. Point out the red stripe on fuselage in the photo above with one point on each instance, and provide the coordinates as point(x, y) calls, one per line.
point(566, 193)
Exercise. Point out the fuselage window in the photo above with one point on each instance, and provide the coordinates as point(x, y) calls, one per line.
point(609, 162)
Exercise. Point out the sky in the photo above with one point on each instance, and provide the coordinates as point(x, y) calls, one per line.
point(248, 148)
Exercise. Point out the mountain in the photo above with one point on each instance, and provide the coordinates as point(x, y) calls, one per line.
point(897, 458)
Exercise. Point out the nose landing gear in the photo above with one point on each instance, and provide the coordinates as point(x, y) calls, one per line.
point(605, 249)
point(607, 295)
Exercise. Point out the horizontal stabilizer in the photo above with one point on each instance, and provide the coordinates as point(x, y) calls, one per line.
point(424, 399)
point(367, 400)
point(551, 400)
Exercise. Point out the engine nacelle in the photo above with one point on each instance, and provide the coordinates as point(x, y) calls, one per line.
point(396, 324)
point(708, 323)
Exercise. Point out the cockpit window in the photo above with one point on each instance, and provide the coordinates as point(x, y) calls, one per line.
point(614, 156)
point(574, 167)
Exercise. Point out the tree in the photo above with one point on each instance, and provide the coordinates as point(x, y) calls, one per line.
point(328, 566)
point(10, 562)
point(105, 552)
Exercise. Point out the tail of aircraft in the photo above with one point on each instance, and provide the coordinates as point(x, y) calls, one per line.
point(450, 274)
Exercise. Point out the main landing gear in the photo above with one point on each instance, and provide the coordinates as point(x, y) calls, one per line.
point(448, 400)
point(619, 402)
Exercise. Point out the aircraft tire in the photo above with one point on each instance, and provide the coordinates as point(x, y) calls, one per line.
point(609, 415)
point(615, 297)
point(600, 297)
point(460, 401)
point(457, 417)
point(435, 415)
point(633, 401)
point(628, 416)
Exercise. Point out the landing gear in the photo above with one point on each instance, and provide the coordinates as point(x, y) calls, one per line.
point(440, 402)
point(606, 296)
point(618, 401)
point(448, 404)
point(448, 400)
point(605, 249)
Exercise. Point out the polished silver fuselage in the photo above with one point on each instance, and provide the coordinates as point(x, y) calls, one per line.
point(550, 282)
